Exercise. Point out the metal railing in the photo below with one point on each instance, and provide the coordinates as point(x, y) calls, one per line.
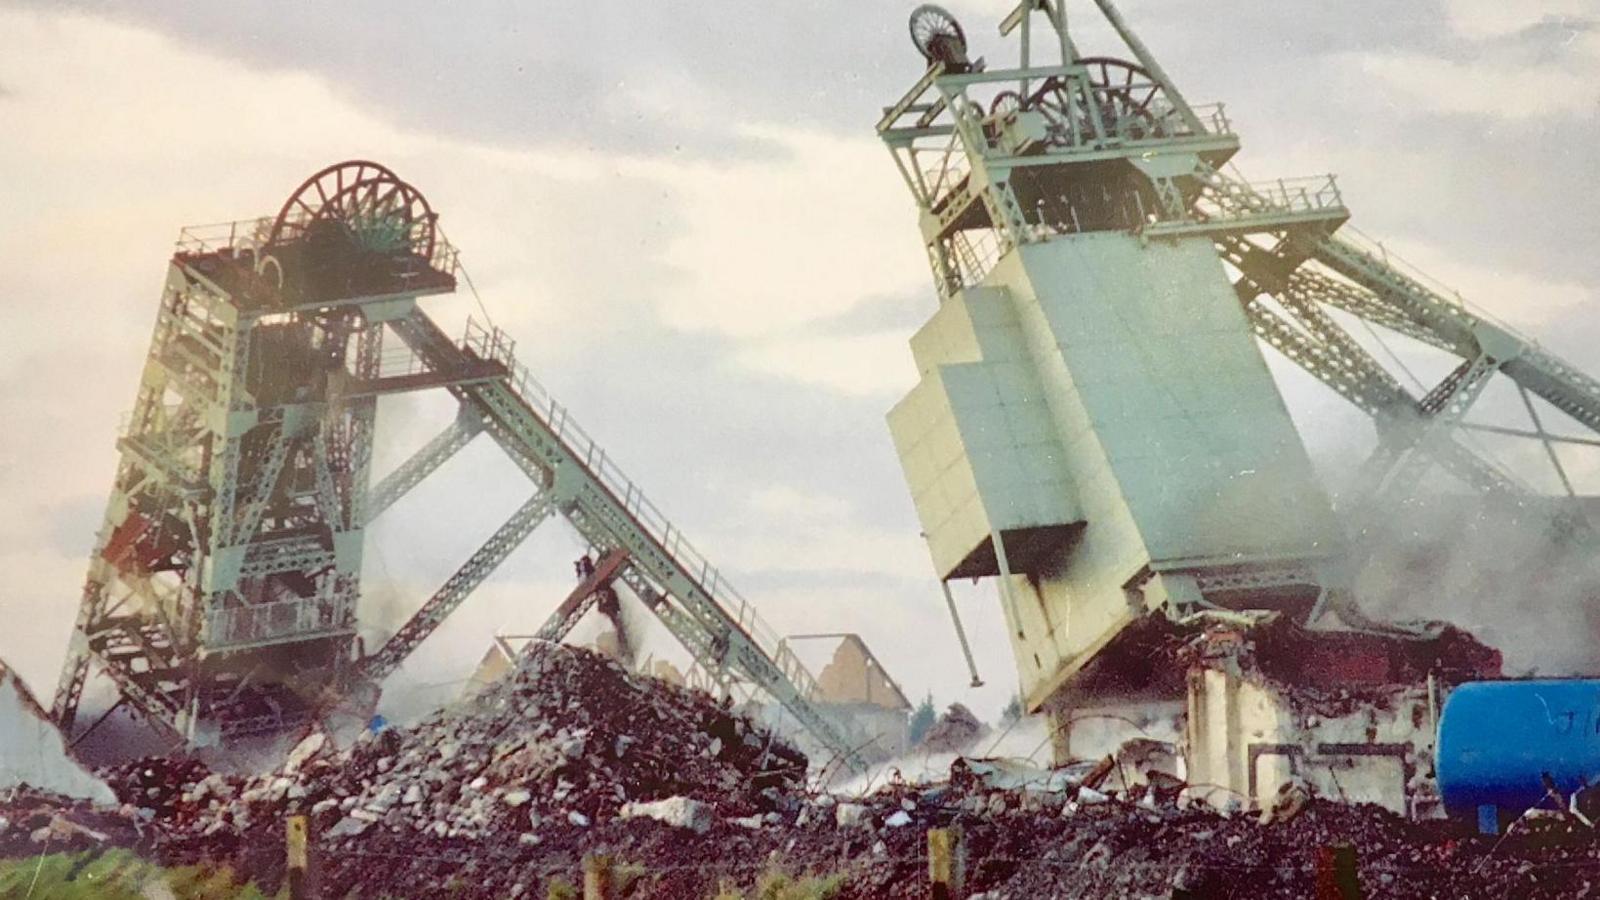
point(1376, 249)
point(259, 623)
point(947, 175)
point(1314, 193)
point(396, 362)
point(1215, 115)
point(219, 236)
point(493, 344)
point(247, 239)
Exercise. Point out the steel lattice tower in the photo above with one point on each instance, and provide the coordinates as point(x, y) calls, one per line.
point(1095, 424)
point(221, 598)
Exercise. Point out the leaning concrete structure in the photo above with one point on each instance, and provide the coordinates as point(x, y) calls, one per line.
point(1095, 426)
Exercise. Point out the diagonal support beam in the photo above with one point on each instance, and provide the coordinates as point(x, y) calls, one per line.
point(1546, 439)
point(1366, 385)
point(428, 458)
point(248, 518)
point(1401, 461)
point(466, 579)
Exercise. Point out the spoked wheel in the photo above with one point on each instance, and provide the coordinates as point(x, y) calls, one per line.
point(1059, 106)
point(365, 201)
point(1125, 91)
point(1005, 103)
point(938, 35)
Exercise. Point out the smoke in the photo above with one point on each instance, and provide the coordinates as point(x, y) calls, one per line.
point(1507, 571)
point(1026, 741)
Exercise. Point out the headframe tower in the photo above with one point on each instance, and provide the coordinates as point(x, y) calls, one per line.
point(222, 594)
point(1095, 424)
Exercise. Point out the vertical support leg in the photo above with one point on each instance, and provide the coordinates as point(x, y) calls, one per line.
point(1069, 53)
point(69, 689)
point(961, 633)
point(73, 675)
point(1006, 594)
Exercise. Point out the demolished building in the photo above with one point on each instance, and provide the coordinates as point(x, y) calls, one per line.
point(1096, 430)
point(1253, 702)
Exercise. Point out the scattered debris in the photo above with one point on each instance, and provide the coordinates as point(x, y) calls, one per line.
point(571, 754)
point(679, 812)
point(954, 732)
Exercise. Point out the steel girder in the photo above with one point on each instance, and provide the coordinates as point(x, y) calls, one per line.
point(429, 457)
point(1322, 347)
point(1377, 291)
point(680, 588)
point(478, 567)
point(1521, 359)
point(566, 615)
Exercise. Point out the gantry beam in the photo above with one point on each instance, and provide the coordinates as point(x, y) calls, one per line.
point(472, 573)
point(567, 613)
point(428, 458)
point(720, 628)
point(1377, 291)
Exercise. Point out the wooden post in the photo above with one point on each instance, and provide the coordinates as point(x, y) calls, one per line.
point(598, 880)
point(947, 864)
point(300, 872)
point(1336, 873)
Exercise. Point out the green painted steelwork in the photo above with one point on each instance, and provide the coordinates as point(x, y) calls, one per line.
point(221, 598)
point(1092, 199)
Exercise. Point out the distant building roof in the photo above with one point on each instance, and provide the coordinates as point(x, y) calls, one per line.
point(856, 676)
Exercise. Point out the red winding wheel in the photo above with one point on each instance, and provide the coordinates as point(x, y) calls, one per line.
point(1127, 87)
point(367, 201)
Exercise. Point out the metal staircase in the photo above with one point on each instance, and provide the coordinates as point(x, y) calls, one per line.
point(573, 476)
point(221, 598)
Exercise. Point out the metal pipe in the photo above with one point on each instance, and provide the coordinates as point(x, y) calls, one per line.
point(1069, 52)
point(1544, 438)
point(1004, 565)
point(1142, 53)
point(961, 633)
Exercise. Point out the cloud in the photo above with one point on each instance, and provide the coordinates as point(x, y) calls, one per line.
point(1487, 19)
point(774, 243)
point(875, 365)
point(1512, 62)
point(1506, 90)
point(668, 80)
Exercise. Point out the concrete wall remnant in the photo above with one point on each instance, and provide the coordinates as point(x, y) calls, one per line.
point(32, 751)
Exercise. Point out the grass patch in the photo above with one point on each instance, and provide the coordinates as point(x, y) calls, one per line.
point(114, 875)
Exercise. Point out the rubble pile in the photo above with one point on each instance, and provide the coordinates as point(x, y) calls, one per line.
point(32, 820)
point(954, 732)
point(1334, 671)
point(567, 736)
point(571, 755)
point(566, 742)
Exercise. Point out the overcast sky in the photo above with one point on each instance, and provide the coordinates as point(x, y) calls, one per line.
point(681, 213)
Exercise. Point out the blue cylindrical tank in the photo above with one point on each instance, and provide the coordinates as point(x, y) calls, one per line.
point(1498, 738)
